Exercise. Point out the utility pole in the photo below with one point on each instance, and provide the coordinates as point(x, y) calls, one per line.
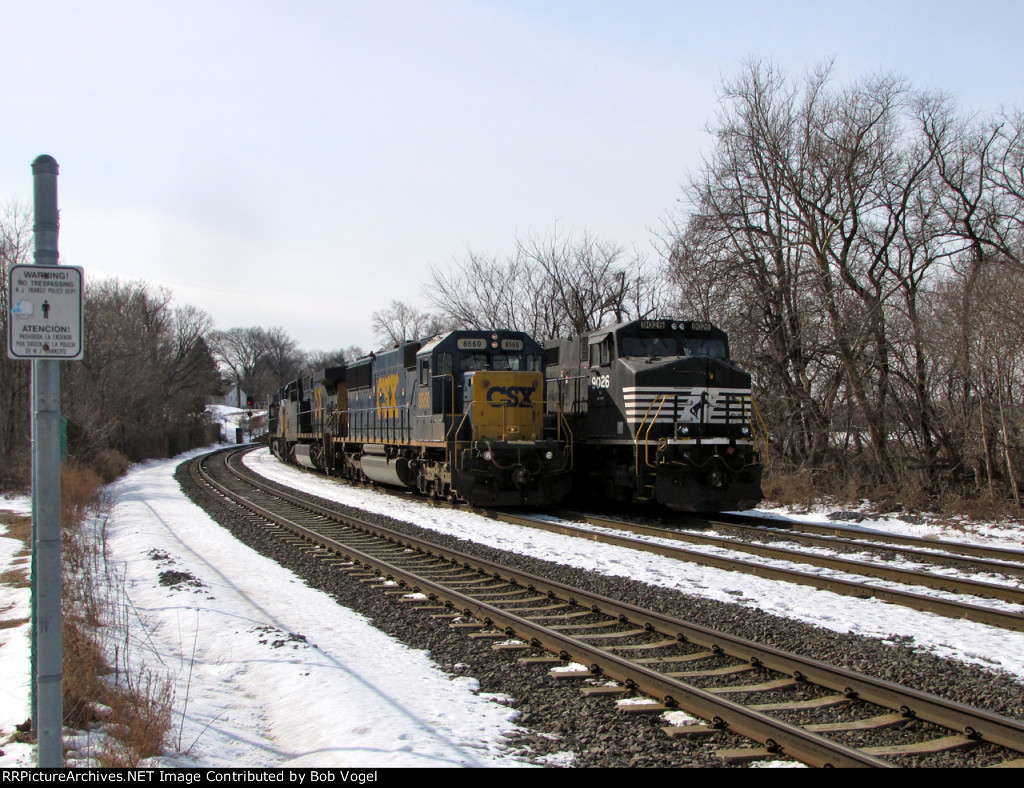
point(45, 327)
point(47, 622)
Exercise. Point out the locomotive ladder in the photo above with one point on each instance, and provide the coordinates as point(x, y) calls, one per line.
point(645, 477)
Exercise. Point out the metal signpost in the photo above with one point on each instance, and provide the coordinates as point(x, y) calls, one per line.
point(45, 326)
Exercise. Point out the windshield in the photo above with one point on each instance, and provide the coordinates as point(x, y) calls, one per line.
point(673, 346)
point(472, 362)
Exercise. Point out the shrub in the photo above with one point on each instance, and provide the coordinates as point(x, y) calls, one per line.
point(110, 464)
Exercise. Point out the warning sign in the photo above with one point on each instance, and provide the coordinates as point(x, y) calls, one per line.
point(45, 318)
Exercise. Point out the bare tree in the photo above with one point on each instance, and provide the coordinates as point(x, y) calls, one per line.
point(145, 376)
point(15, 249)
point(806, 227)
point(980, 183)
point(401, 322)
point(280, 362)
point(550, 287)
point(257, 360)
point(190, 366)
point(482, 293)
point(240, 351)
point(330, 358)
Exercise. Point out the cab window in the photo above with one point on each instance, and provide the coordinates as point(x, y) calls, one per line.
point(601, 352)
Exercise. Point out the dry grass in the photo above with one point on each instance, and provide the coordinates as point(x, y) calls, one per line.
point(17, 526)
point(111, 465)
point(916, 492)
point(142, 710)
point(795, 488)
point(132, 705)
point(100, 685)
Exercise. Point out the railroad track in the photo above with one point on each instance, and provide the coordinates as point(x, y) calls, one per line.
point(1004, 611)
point(1000, 559)
point(681, 665)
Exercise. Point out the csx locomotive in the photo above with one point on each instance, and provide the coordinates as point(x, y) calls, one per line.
point(658, 413)
point(460, 416)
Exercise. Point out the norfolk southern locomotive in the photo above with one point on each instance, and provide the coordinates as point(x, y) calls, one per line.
point(658, 413)
point(460, 416)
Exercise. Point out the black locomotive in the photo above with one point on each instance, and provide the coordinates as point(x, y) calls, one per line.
point(658, 413)
point(459, 416)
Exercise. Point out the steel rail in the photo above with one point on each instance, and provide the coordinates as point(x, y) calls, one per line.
point(855, 532)
point(927, 553)
point(958, 585)
point(973, 722)
point(930, 604)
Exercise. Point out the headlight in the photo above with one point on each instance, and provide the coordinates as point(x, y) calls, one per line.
point(549, 455)
point(487, 455)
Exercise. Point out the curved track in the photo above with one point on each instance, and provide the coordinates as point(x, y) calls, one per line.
point(637, 648)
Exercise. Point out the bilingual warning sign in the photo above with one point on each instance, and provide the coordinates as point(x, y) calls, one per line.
point(45, 320)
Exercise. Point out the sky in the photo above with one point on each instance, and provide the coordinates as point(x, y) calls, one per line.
point(245, 641)
point(303, 164)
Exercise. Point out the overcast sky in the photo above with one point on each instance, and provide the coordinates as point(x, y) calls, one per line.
point(302, 164)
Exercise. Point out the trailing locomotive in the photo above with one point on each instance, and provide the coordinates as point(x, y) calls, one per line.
point(460, 416)
point(658, 413)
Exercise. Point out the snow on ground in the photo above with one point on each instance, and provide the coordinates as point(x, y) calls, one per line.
point(969, 641)
point(1009, 536)
point(14, 638)
point(273, 672)
point(263, 681)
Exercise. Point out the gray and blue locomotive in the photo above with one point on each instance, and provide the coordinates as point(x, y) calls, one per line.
point(658, 413)
point(459, 416)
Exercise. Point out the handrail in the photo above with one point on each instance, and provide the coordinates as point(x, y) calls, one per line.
point(759, 435)
point(365, 424)
point(454, 435)
point(660, 402)
point(563, 423)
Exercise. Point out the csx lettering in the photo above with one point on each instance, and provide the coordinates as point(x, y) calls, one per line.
point(387, 399)
point(510, 396)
